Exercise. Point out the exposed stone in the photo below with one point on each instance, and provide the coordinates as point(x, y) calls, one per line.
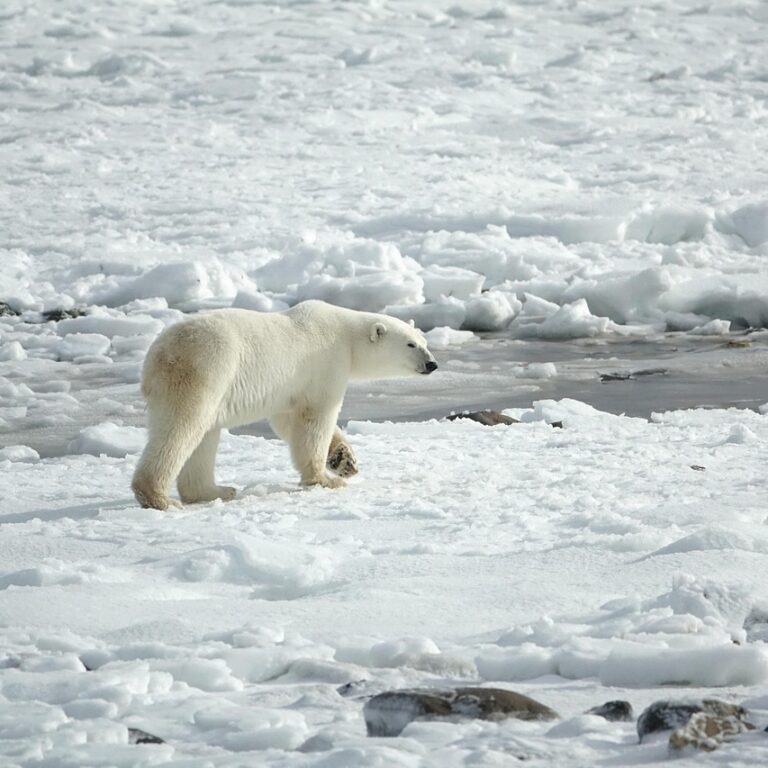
point(669, 714)
point(7, 309)
point(388, 713)
point(54, 315)
point(487, 418)
point(630, 375)
point(615, 711)
point(739, 343)
point(707, 731)
point(137, 736)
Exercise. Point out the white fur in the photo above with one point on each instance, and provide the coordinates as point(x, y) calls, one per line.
point(232, 367)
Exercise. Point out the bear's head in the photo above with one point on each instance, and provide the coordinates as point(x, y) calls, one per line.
point(394, 348)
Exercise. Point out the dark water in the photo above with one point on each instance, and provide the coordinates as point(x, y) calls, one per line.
point(710, 372)
point(667, 373)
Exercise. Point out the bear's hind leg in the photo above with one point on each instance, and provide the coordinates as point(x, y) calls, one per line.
point(196, 481)
point(341, 458)
point(172, 439)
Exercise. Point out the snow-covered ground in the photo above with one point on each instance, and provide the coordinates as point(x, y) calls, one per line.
point(580, 564)
point(586, 170)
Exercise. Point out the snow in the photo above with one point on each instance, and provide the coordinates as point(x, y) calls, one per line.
point(505, 175)
point(421, 152)
point(444, 337)
point(226, 628)
point(108, 439)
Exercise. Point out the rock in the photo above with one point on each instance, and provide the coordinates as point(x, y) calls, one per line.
point(707, 731)
point(487, 418)
point(739, 343)
point(630, 375)
point(697, 468)
point(54, 315)
point(7, 309)
point(388, 713)
point(669, 714)
point(615, 711)
point(353, 688)
point(137, 736)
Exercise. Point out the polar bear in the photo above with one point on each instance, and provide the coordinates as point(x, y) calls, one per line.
point(232, 366)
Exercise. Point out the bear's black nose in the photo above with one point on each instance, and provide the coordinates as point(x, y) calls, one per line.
point(431, 366)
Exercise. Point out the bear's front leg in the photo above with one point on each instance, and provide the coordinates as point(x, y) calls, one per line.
point(310, 438)
point(341, 458)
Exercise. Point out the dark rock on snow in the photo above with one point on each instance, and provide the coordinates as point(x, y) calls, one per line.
point(137, 736)
point(388, 713)
point(631, 375)
point(615, 711)
point(486, 418)
point(7, 309)
point(669, 714)
point(54, 315)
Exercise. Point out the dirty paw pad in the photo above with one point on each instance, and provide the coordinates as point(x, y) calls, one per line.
point(342, 461)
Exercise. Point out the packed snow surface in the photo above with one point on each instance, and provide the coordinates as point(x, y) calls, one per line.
point(614, 557)
point(551, 170)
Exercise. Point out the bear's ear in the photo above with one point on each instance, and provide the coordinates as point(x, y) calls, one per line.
point(411, 323)
point(378, 330)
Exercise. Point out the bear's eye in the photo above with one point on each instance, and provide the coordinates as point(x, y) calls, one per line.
point(411, 345)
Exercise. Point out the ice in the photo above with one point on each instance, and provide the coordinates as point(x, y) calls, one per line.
point(712, 328)
point(108, 439)
point(179, 283)
point(450, 281)
point(13, 351)
point(83, 346)
point(258, 302)
point(371, 292)
point(257, 729)
point(540, 371)
point(741, 433)
point(444, 337)
point(445, 312)
point(750, 223)
point(205, 674)
point(18, 453)
point(109, 324)
point(490, 312)
point(728, 665)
